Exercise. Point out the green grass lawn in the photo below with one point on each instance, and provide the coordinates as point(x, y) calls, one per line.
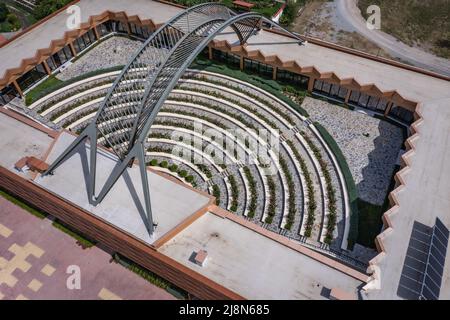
point(46, 86)
point(83, 241)
point(150, 276)
point(35, 212)
point(52, 84)
point(370, 222)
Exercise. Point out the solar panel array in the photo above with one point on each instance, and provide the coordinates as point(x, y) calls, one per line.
point(434, 270)
point(424, 262)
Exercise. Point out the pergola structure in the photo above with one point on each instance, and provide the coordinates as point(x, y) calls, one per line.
point(126, 115)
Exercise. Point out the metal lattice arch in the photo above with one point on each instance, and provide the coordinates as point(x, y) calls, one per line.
point(126, 115)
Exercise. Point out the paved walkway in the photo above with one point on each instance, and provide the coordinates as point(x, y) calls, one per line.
point(35, 258)
point(349, 11)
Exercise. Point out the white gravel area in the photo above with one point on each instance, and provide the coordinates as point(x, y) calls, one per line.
point(371, 146)
point(114, 51)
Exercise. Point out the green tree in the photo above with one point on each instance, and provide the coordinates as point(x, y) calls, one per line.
point(3, 12)
point(13, 21)
point(47, 7)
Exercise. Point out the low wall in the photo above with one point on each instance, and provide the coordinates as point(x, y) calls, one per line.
point(114, 239)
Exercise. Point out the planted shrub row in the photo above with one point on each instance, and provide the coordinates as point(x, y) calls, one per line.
point(271, 87)
point(217, 108)
point(172, 167)
point(204, 168)
point(68, 95)
point(38, 93)
point(312, 205)
point(234, 193)
point(71, 107)
point(249, 95)
point(291, 193)
point(78, 116)
point(236, 102)
point(331, 192)
point(216, 193)
point(271, 210)
point(192, 114)
point(349, 181)
point(253, 193)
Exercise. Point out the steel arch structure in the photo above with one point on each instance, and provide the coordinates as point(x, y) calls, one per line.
point(124, 119)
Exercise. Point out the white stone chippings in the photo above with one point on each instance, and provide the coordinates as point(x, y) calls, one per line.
point(369, 145)
point(114, 51)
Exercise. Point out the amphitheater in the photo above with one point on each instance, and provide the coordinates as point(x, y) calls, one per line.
point(334, 142)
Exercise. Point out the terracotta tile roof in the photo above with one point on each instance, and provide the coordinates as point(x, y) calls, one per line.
point(244, 4)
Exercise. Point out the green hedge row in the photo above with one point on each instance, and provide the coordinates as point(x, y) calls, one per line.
point(151, 277)
point(82, 240)
point(349, 182)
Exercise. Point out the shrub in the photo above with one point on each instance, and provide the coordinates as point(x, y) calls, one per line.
point(312, 205)
point(290, 12)
point(173, 168)
point(203, 168)
point(12, 19)
point(271, 210)
point(163, 164)
point(216, 193)
point(234, 193)
point(189, 179)
point(47, 7)
point(253, 194)
point(182, 173)
point(291, 193)
point(331, 193)
point(154, 162)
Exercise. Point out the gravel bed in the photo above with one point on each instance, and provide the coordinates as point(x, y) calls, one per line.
point(114, 51)
point(371, 146)
point(340, 218)
point(295, 229)
point(242, 193)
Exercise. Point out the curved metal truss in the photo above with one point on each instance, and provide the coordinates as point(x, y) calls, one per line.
point(125, 117)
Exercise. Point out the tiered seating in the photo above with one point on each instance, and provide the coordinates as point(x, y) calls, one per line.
point(293, 200)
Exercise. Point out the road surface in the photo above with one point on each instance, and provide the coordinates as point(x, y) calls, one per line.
point(349, 11)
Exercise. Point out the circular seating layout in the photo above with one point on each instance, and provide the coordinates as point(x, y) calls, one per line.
point(253, 152)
